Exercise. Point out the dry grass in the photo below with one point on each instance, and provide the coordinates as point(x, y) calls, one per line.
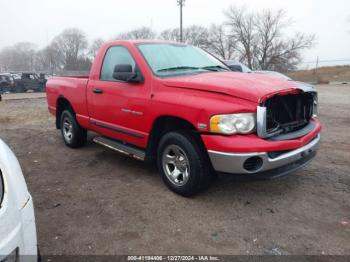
point(324, 75)
point(12, 114)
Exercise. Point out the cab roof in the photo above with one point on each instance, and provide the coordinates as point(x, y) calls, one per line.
point(142, 41)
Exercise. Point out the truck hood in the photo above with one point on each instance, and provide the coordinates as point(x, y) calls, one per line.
point(252, 87)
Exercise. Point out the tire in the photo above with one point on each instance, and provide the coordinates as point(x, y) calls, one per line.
point(73, 134)
point(183, 163)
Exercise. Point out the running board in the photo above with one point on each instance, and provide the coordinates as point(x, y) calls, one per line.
point(120, 147)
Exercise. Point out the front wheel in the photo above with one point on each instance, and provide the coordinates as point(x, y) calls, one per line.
point(183, 163)
point(73, 134)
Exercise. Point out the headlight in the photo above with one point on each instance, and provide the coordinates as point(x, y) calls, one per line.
point(233, 124)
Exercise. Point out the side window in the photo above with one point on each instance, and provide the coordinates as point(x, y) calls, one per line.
point(114, 56)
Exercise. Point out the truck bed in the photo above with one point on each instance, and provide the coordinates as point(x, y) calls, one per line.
point(74, 90)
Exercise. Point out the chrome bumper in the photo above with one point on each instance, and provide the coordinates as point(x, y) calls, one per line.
point(234, 163)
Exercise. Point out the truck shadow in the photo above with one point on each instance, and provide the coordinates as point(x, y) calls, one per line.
point(128, 169)
point(224, 186)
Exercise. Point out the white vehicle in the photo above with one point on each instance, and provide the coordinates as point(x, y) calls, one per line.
point(17, 221)
point(273, 73)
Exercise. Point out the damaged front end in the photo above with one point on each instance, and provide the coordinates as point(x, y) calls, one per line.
point(288, 137)
point(287, 115)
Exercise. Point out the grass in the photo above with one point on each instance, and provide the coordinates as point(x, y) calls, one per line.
point(324, 75)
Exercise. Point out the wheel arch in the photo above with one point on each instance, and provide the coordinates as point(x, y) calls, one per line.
point(162, 125)
point(61, 105)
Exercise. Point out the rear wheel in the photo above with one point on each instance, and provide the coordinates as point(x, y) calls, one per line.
point(73, 134)
point(183, 163)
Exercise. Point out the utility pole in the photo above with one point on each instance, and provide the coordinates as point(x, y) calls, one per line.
point(181, 3)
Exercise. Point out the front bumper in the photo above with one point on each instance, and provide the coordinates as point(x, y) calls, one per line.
point(262, 162)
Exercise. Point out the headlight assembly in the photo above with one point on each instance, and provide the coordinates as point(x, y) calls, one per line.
point(243, 123)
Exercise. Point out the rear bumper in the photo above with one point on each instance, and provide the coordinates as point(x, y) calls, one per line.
point(262, 162)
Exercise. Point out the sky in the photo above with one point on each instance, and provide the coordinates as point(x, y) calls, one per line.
point(39, 21)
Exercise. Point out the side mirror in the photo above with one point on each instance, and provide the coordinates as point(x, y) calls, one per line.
point(124, 72)
point(236, 68)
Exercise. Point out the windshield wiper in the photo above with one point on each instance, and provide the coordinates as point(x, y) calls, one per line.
point(207, 68)
point(215, 68)
point(179, 68)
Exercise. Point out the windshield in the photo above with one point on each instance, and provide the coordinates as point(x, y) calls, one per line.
point(179, 59)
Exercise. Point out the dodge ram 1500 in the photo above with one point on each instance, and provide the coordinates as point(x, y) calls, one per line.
point(184, 109)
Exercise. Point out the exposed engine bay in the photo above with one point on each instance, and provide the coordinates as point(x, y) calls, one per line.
point(289, 113)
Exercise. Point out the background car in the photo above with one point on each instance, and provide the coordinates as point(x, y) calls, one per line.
point(7, 83)
point(273, 73)
point(16, 76)
point(17, 221)
point(237, 66)
point(31, 81)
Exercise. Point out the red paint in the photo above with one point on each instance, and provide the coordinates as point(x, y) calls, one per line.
point(192, 98)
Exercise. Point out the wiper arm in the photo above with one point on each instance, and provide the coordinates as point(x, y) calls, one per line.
point(215, 68)
point(178, 68)
point(207, 68)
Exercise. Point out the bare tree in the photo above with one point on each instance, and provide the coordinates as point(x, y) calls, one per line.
point(273, 51)
point(268, 27)
point(195, 35)
point(139, 33)
point(260, 40)
point(241, 24)
point(215, 39)
point(20, 57)
point(94, 47)
point(286, 55)
point(171, 34)
point(71, 44)
point(49, 60)
point(220, 43)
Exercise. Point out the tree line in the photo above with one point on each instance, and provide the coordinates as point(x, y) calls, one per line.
point(257, 39)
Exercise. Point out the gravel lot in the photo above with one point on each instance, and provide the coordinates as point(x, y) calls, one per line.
point(95, 201)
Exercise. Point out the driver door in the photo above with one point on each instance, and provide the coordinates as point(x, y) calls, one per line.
point(110, 102)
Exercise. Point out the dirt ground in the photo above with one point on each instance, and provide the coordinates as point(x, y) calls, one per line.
point(95, 201)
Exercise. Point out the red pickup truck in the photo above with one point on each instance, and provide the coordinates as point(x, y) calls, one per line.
point(183, 108)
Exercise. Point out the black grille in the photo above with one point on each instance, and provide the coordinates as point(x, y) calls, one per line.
point(288, 113)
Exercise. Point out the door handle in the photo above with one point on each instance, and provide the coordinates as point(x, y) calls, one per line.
point(97, 91)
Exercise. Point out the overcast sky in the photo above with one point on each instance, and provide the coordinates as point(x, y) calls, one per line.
point(38, 21)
